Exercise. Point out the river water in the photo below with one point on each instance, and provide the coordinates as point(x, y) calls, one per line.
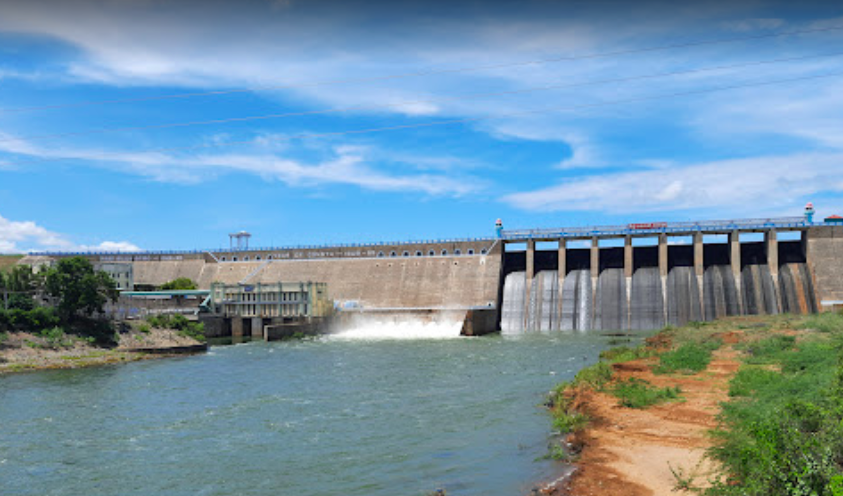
point(356, 414)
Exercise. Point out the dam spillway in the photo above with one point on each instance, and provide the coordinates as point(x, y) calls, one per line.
point(620, 288)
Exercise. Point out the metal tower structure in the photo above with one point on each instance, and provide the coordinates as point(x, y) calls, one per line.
point(239, 240)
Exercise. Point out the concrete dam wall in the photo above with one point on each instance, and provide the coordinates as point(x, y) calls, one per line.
point(416, 277)
point(576, 289)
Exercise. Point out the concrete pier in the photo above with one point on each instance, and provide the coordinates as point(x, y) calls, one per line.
point(595, 268)
point(735, 261)
point(562, 270)
point(628, 270)
point(699, 267)
point(531, 271)
point(663, 268)
point(772, 247)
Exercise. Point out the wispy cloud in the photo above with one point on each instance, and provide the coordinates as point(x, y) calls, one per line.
point(345, 165)
point(748, 186)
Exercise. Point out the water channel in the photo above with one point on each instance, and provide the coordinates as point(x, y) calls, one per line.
point(356, 414)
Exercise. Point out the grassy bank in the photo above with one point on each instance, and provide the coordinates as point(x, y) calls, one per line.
point(779, 430)
point(56, 349)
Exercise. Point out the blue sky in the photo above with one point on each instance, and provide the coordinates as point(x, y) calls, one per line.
point(542, 140)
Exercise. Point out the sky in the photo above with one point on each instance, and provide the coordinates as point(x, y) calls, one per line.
point(155, 125)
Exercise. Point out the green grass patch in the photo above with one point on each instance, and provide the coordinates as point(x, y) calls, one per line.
point(749, 380)
point(782, 432)
point(638, 393)
point(767, 350)
point(595, 376)
point(824, 322)
point(626, 354)
point(689, 358)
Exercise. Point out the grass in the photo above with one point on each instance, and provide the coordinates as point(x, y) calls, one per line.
point(828, 322)
point(638, 393)
point(597, 376)
point(689, 358)
point(626, 354)
point(782, 431)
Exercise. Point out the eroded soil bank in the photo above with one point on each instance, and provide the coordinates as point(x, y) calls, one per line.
point(651, 451)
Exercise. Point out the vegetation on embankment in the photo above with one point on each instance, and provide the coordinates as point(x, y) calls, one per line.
point(55, 349)
point(55, 318)
point(779, 430)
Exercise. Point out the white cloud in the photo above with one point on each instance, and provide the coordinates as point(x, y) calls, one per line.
point(111, 246)
point(20, 236)
point(347, 165)
point(749, 186)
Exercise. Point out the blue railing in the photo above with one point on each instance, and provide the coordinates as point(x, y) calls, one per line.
point(667, 227)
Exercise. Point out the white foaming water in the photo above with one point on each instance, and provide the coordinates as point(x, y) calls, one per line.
point(400, 329)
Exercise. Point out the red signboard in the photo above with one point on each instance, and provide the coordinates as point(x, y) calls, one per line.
point(648, 225)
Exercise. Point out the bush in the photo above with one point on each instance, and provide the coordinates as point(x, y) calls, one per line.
point(144, 328)
point(56, 338)
point(180, 284)
point(35, 320)
point(638, 393)
point(195, 330)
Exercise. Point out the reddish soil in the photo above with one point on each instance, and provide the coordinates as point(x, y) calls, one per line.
point(629, 452)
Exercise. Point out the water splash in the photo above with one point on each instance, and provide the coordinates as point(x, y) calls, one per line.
point(375, 329)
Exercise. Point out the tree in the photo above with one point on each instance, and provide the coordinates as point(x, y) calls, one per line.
point(182, 283)
point(80, 291)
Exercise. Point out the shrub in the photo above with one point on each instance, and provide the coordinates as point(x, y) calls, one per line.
point(144, 328)
point(182, 283)
point(565, 421)
point(179, 322)
point(195, 330)
point(638, 393)
point(56, 338)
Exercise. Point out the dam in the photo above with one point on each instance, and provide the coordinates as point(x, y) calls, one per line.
point(636, 276)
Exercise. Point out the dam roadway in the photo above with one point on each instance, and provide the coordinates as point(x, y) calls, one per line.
point(531, 285)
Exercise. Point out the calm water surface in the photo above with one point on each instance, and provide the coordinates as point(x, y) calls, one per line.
point(329, 416)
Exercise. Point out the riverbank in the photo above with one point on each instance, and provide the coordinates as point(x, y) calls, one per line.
point(681, 412)
point(23, 351)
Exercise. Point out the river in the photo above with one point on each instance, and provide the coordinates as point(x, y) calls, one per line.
point(354, 414)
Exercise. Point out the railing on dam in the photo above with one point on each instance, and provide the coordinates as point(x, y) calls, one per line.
point(714, 226)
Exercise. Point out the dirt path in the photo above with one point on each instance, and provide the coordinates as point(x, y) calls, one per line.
point(632, 452)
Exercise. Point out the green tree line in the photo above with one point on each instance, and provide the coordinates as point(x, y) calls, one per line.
point(70, 294)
